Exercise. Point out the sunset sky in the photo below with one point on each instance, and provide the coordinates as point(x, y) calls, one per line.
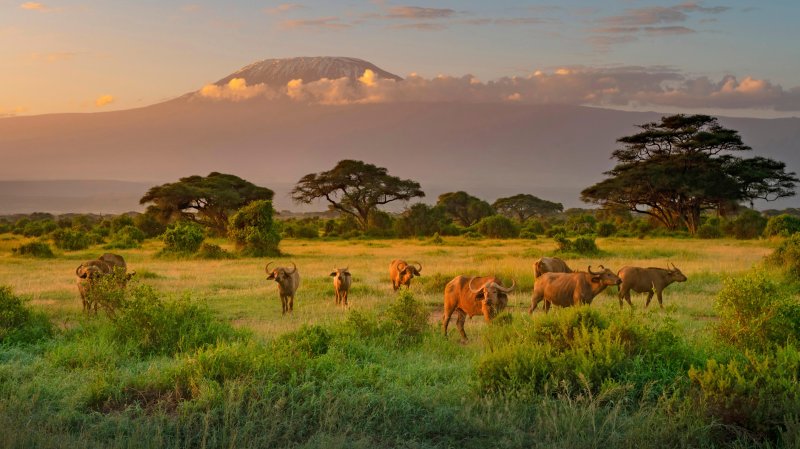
point(89, 56)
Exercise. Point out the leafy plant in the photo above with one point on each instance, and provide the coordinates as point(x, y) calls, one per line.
point(38, 249)
point(253, 230)
point(183, 238)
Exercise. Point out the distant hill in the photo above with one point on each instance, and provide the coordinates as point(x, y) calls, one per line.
point(487, 149)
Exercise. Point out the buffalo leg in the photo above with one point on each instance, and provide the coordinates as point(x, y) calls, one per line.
point(627, 297)
point(534, 302)
point(283, 305)
point(462, 318)
point(344, 295)
point(649, 298)
point(546, 306)
point(660, 303)
point(291, 304)
point(446, 320)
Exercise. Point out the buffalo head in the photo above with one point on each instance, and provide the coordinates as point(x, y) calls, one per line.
point(604, 277)
point(493, 295)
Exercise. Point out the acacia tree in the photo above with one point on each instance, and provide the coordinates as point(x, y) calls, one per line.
point(205, 200)
point(464, 208)
point(355, 188)
point(524, 206)
point(675, 169)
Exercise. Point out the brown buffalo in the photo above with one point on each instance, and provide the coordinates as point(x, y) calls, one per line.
point(341, 284)
point(650, 280)
point(401, 273)
point(114, 260)
point(571, 289)
point(549, 265)
point(88, 274)
point(91, 271)
point(288, 281)
point(473, 296)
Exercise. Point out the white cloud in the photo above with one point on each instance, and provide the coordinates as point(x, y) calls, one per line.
point(611, 87)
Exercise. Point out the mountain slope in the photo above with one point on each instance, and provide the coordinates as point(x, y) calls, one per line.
point(489, 150)
point(278, 72)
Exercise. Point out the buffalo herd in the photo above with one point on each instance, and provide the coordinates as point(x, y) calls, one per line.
point(554, 284)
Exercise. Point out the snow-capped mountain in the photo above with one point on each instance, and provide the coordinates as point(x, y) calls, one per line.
point(278, 72)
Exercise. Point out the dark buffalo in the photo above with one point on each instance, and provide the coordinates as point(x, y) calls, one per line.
point(650, 280)
point(288, 281)
point(549, 265)
point(571, 289)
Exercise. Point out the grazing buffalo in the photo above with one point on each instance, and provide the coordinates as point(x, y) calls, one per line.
point(401, 273)
point(91, 271)
point(341, 284)
point(571, 289)
point(650, 280)
point(472, 296)
point(288, 281)
point(114, 260)
point(549, 265)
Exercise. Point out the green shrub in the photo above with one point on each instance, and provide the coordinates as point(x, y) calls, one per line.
point(556, 230)
point(605, 229)
point(18, 323)
point(756, 395)
point(36, 249)
point(782, 225)
point(153, 326)
point(254, 231)
point(308, 341)
point(581, 245)
point(125, 238)
point(709, 231)
point(149, 224)
point(39, 228)
point(579, 351)
point(497, 226)
point(750, 224)
point(406, 318)
point(757, 313)
point(71, 240)
point(211, 251)
point(581, 224)
point(183, 237)
point(787, 257)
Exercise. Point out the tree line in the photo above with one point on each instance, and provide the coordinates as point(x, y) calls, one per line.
point(684, 174)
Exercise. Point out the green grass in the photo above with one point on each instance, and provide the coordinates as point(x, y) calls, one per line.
point(352, 381)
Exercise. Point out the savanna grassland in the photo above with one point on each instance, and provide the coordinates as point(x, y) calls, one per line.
point(379, 373)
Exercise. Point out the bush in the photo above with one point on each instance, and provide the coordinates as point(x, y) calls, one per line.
point(407, 318)
point(149, 225)
point(18, 323)
point(183, 237)
point(556, 230)
point(497, 226)
point(605, 229)
point(38, 228)
point(787, 257)
point(782, 225)
point(155, 327)
point(579, 351)
point(709, 231)
point(211, 251)
point(750, 224)
point(254, 231)
point(71, 240)
point(581, 245)
point(757, 394)
point(37, 249)
point(756, 313)
point(126, 238)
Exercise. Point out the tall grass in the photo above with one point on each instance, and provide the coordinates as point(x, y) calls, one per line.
point(225, 369)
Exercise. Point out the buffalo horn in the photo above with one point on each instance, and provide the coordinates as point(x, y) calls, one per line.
point(78, 269)
point(293, 269)
point(267, 267)
point(420, 266)
point(470, 285)
point(506, 289)
point(592, 272)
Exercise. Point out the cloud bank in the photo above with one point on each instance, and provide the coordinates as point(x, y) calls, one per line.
point(608, 87)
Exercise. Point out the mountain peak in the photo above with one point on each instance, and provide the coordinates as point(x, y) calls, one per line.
point(278, 72)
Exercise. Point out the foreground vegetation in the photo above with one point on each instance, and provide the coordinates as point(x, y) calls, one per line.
point(198, 354)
